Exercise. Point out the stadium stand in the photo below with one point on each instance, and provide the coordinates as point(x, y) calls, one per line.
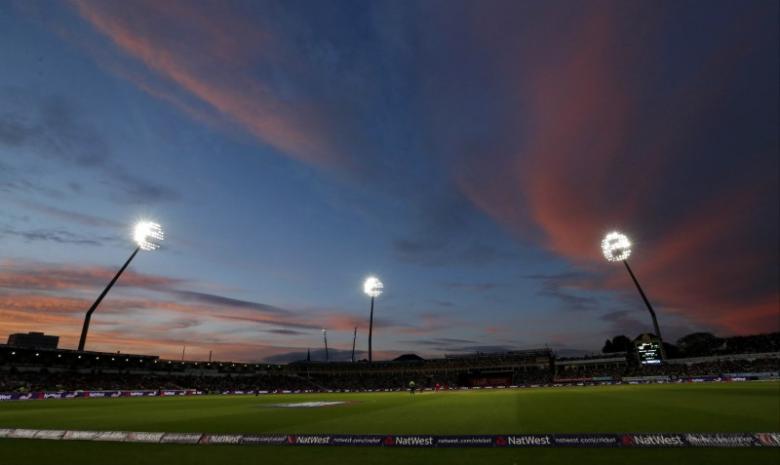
point(28, 370)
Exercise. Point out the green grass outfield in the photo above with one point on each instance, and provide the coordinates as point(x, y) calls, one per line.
point(735, 407)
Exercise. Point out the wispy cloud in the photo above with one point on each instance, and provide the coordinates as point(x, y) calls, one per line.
point(286, 332)
point(70, 215)
point(475, 287)
point(222, 73)
point(604, 148)
point(432, 322)
point(159, 309)
point(27, 275)
point(218, 300)
point(59, 236)
point(570, 289)
point(53, 130)
point(445, 231)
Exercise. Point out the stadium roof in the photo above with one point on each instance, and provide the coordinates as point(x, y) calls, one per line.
point(408, 358)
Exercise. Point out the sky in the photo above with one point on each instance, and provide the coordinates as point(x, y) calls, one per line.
point(471, 154)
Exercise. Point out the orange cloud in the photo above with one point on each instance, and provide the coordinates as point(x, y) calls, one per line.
point(187, 45)
point(579, 172)
point(51, 298)
point(26, 275)
point(63, 316)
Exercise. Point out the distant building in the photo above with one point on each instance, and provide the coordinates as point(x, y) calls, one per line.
point(33, 340)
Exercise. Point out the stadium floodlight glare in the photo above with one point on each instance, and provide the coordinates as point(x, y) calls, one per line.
point(147, 236)
point(373, 288)
point(617, 248)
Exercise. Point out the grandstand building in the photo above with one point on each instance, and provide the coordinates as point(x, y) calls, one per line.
point(602, 368)
point(497, 369)
point(33, 340)
point(24, 369)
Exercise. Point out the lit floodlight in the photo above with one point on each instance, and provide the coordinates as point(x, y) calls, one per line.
point(616, 247)
point(148, 235)
point(373, 287)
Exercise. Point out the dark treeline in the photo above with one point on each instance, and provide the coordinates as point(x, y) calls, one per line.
point(703, 344)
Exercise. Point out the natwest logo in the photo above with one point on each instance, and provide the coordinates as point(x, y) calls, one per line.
point(313, 440)
point(529, 440)
point(414, 441)
point(221, 439)
point(650, 440)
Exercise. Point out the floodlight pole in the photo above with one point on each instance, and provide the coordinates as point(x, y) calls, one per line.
point(85, 328)
point(649, 308)
point(354, 338)
point(325, 337)
point(370, 330)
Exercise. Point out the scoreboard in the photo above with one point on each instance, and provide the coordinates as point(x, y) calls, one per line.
point(649, 352)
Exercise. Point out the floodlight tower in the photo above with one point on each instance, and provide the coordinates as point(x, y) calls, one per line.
point(373, 288)
point(354, 338)
point(147, 236)
point(325, 338)
point(617, 248)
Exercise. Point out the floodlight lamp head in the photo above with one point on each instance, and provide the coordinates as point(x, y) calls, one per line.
point(148, 235)
point(616, 247)
point(373, 287)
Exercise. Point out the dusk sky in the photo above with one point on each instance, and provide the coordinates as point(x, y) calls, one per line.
point(471, 154)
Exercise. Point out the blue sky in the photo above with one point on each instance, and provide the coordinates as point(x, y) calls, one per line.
point(470, 154)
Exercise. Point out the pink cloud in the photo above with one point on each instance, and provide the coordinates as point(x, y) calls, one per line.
point(579, 173)
point(186, 45)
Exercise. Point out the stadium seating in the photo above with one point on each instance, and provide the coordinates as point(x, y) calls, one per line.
point(27, 370)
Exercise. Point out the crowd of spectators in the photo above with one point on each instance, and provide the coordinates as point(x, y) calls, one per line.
point(589, 371)
point(711, 368)
point(508, 360)
point(31, 372)
point(30, 381)
point(708, 368)
point(45, 380)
